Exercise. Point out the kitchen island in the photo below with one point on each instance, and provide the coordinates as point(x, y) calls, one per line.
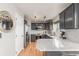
point(49, 45)
point(69, 47)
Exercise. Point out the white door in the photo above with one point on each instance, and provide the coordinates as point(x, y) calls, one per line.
point(19, 33)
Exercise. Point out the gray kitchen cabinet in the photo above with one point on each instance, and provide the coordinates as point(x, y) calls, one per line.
point(62, 20)
point(41, 26)
point(76, 9)
point(47, 27)
point(69, 18)
point(33, 37)
point(54, 53)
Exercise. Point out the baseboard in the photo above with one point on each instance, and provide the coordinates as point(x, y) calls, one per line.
point(17, 53)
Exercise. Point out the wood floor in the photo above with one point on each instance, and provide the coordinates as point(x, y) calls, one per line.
point(31, 50)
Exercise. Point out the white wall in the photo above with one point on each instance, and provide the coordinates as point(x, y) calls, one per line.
point(7, 42)
point(56, 27)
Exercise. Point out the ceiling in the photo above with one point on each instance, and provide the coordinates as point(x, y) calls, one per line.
point(50, 10)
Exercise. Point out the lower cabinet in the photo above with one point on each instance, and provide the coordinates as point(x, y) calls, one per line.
point(53, 53)
point(62, 53)
point(33, 38)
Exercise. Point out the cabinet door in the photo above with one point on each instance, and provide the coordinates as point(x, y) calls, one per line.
point(77, 15)
point(69, 17)
point(33, 26)
point(62, 20)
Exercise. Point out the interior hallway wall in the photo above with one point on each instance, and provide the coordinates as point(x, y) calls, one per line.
point(56, 27)
point(9, 41)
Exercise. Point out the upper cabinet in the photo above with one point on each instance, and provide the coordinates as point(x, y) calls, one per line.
point(76, 11)
point(62, 20)
point(40, 26)
point(48, 25)
point(69, 18)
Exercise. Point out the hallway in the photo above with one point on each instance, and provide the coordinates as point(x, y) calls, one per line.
point(31, 51)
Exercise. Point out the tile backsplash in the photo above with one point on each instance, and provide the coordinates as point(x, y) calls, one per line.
point(73, 34)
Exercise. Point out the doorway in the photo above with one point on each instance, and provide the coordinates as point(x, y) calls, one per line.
point(26, 35)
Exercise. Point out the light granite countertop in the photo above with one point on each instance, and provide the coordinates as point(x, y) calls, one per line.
point(50, 45)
